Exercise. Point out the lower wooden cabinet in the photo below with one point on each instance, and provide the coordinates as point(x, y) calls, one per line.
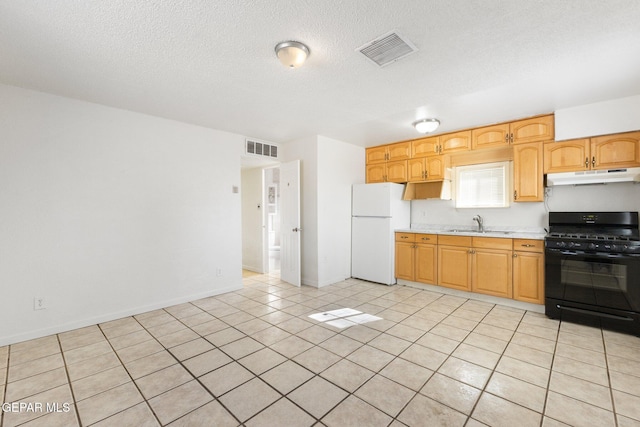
point(528, 270)
point(405, 257)
point(502, 267)
point(416, 257)
point(454, 262)
point(492, 266)
point(426, 259)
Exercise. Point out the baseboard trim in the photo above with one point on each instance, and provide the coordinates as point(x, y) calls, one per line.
point(69, 326)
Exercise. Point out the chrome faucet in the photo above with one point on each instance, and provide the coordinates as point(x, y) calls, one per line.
point(478, 219)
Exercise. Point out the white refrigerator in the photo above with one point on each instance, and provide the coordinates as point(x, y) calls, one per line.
point(377, 210)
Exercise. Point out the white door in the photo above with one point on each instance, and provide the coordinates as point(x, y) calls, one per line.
point(290, 222)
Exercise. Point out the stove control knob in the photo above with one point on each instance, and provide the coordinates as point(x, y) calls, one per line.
point(593, 246)
point(614, 247)
point(561, 244)
point(571, 244)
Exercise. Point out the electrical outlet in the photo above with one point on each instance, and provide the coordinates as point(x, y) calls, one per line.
point(548, 191)
point(39, 303)
point(218, 272)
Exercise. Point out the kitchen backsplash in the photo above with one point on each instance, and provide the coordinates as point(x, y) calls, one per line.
point(611, 197)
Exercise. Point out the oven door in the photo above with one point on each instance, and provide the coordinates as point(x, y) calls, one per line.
point(601, 280)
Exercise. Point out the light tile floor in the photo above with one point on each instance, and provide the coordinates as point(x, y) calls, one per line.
point(254, 357)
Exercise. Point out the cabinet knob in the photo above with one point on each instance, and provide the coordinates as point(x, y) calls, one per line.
point(426, 238)
point(515, 255)
point(586, 163)
point(527, 245)
point(515, 195)
point(593, 161)
point(404, 237)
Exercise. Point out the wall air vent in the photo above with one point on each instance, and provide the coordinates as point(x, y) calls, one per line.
point(387, 48)
point(261, 149)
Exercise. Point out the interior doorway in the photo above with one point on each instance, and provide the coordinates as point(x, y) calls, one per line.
point(261, 212)
point(272, 218)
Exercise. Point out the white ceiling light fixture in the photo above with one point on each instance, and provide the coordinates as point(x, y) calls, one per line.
point(292, 54)
point(426, 125)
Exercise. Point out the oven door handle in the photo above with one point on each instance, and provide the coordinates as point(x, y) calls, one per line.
point(590, 254)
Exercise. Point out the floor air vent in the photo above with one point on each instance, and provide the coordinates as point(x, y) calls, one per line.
point(262, 149)
point(387, 48)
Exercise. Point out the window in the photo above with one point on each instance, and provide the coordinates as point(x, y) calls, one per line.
point(483, 186)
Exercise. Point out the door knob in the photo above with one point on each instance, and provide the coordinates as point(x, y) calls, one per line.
point(295, 230)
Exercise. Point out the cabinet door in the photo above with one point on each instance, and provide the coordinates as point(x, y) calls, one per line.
point(454, 267)
point(615, 151)
point(376, 154)
point(492, 272)
point(435, 167)
point(532, 130)
point(399, 151)
point(405, 260)
point(416, 170)
point(458, 141)
point(425, 146)
point(376, 173)
point(567, 156)
point(490, 136)
point(527, 172)
point(397, 171)
point(528, 277)
point(426, 264)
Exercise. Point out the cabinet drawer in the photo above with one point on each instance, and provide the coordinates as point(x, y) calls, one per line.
point(528, 245)
point(427, 238)
point(492, 243)
point(405, 237)
point(445, 239)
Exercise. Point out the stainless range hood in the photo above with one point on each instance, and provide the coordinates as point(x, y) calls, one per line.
point(604, 176)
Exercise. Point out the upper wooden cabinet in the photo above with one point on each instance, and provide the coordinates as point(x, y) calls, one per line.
point(528, 172)
point(430, 168)
point(490, 136)
point(396, 171)
point(566, 156)
point(519, 132)
point(443, 144)
point(532, 130)
point(603, 152)
point(425, 147)
point(615, 151)
point(387, 163)
point(457, 141)
point(390, 152)
point(387, 172)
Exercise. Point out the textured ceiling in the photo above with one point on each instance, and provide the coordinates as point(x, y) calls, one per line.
point(212, 63)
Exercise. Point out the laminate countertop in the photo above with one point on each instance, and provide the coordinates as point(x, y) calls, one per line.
point(534, 233)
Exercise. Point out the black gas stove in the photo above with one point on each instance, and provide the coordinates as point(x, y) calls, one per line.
point(610, 232)
point(592, 269)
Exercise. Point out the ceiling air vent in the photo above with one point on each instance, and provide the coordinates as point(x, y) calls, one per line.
point(261, 149)
point(387, 48)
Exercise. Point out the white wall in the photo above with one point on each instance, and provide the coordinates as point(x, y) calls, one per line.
point(328, 170)
point(601, 118)
point(610, 197)
point(107, 213)
point(340, 165)
point(252, 218)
